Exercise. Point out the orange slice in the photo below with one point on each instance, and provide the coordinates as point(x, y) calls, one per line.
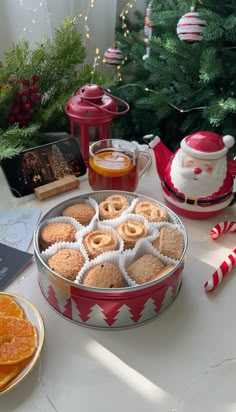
point(7, 373)
point(111, 163)
point(9, 307)
point(18, 339)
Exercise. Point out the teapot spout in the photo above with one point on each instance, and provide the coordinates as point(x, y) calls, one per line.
point(162, 155)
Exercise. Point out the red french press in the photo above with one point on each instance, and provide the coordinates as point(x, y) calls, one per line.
point(91, 112)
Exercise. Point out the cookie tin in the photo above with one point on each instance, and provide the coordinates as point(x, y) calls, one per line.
point(108, 308)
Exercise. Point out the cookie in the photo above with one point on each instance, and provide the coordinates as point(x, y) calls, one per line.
point(104, 275)
point(67, 263)
point(147, 268)
point(131, 231)
point(82, 212)
point(99, 241)
point(56, 232)
point(151, 211)
point(170, 242)
point(112, 207)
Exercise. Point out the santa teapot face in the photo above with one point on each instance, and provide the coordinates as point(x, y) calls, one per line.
point(197, 180)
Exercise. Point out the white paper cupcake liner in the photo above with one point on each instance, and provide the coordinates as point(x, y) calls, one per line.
point(46, 254)
point(101, 197)
point(152, 229)
point(142, 248)
point(106, 257)
point(97, 225)
point(170, 225)
point(89, 201)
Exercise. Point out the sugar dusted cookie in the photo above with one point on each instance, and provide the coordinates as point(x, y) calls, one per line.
point(147, 268)
point(170, 242)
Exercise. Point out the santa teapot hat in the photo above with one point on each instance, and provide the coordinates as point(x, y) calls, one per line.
point(206, 145)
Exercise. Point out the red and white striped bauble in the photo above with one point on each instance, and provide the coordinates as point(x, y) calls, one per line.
point(113, 57)
point(190, 27)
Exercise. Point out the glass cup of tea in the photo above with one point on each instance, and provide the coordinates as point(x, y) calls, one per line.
point(116, 164)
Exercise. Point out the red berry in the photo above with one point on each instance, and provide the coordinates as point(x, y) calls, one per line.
point(34, 89)
point(16, 109)
point(27, 106)
point(11, 119)
point(26, 82)
point(25, 92)
point(35, 78)
point(37, 96)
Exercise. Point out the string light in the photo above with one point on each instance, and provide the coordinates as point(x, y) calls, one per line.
point(97, 57)
point(123, 16)
point(170, 104)
point(86, 16)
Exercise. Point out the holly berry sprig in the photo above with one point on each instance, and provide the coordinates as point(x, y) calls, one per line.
point(26, 99)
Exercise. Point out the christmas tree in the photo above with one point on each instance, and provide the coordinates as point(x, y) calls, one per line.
point(184, 86)
point(35, 84)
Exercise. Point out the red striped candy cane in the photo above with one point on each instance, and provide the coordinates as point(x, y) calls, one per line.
point(222, 227)
point(221, 272)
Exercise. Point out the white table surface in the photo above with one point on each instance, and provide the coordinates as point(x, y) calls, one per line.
point(147, 368)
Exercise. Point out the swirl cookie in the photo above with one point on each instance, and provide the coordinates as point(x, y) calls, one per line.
point(131, 231)
point(99, 241)
point(151, 211)
point(104, 275)
point(147, 268)
point(56, 232)
point(112, 207)
point(82, 212)
point(67, 263)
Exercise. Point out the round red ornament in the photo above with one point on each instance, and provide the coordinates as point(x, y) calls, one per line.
point(190, 27)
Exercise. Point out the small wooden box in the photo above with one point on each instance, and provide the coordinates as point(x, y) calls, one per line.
point(54, 188)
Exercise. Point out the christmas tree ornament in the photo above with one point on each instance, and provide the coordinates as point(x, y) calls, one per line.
point(91, 111)
point(147, 30)
point(113, 56)
point(190, 27)
point(197, 180)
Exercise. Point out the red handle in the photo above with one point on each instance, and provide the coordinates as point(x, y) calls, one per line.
point(109, 111)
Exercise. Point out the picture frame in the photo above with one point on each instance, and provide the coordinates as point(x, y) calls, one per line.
point(43, 164)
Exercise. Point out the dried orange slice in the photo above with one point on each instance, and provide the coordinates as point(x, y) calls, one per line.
point(7, 373)
point(9, 307)
point(18, 339)
point(111, 163)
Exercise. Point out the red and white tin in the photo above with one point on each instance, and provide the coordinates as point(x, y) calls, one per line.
point(108, 308)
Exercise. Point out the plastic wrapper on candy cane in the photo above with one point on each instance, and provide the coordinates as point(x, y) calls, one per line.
point(227, 265)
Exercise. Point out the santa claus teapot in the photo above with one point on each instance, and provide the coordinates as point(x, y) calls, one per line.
point(197, 180)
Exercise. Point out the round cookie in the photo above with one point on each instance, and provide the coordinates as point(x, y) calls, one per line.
point(67, 263)
point(99, 241)
point(131, 231)
point(112, 207)
point(56, 232)
point(151, 211)
point(82, 212)
point(104, 275)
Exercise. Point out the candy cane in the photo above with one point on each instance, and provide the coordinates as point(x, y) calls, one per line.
point(221, 272)
point(222, 227)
